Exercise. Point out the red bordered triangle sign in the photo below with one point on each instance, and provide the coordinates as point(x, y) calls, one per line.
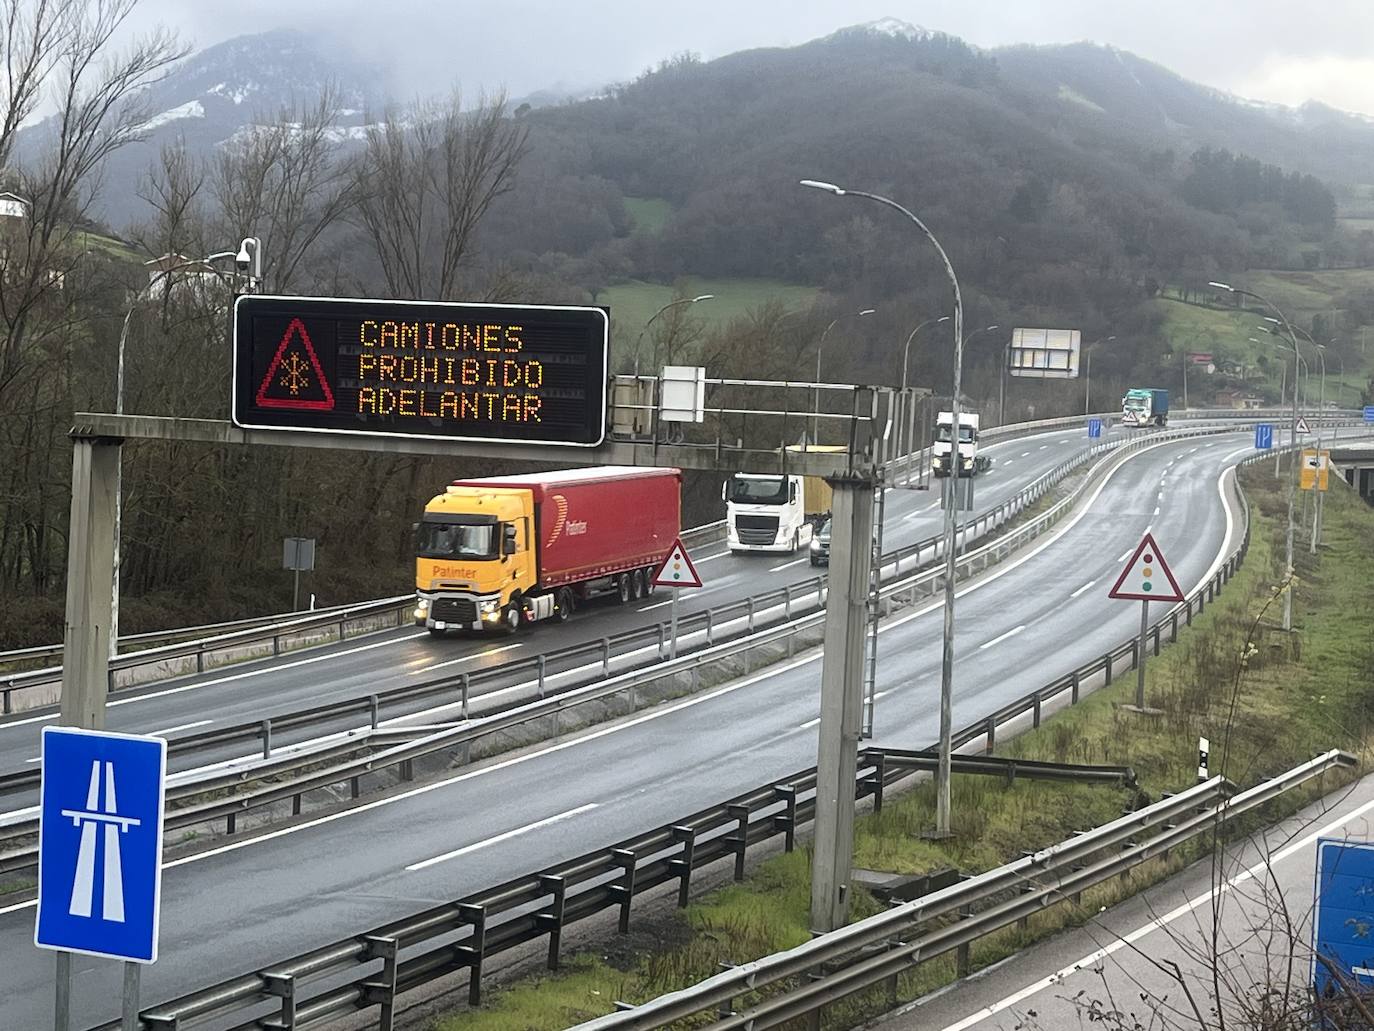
point(1147, 576)
point(677, 569)
point(294, 378)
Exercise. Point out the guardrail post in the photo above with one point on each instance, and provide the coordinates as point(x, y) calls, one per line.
point(354, 787)
point(267, 739)
point(200, 659)
point(283, 986)
point(407, 769)
point(382, 991)
point(1173, 625)
point(605, 657)
point(787, 601)
point(474, 951)
point(1035, 710)
point(662, 640)
point(341, 630)
point(739, 840)
point(991, 734)
point(710, 627)
point(623, 891)
point(751, 613)
point(876, 781)
point(464, 682)
point(543, 663)
point(1156, 643)
point(682, 865)
point(373, 707)
point(551, 919)
point(786, 821)
point(230, 823)
point(1025, 888)
point(5, 697)
point(961, 954)
point(1073, 687)
point(1107, 667)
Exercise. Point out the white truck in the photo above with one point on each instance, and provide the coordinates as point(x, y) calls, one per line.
point(773, 513)
point(969, 462)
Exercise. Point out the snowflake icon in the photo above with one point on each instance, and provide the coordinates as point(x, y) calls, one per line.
point(295, 374)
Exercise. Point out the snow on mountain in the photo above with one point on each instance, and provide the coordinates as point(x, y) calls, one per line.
point(190, 109)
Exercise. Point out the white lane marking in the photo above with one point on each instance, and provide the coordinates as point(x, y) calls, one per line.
point(1061, 441)
point(1156, 512)
point(497, 839)
point(1190, 452)
point(467, 658)
point(1125, 554)
point(1043, 447)
point(658, 713)
point(811, 723)
point(1080, 590)
point(1209, 443)
point(1148, 528)
point(656, 605)
point(1093, 958)
point(711, 558)
point(1024, 454)
point(786, 565)
point(277, 668)
point(998, 640)
point(1008, 462)
point(881, 694)
point(151, 733)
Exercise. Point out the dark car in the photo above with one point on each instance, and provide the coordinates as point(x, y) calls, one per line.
point(820, 545)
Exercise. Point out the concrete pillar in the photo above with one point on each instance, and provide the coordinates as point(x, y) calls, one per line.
point(90, 574)
point(851, 533)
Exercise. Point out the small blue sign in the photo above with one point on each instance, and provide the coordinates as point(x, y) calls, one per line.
point(1094, 427)
point(100, 843)
point(1264, 436)
point(1343, 923)
point(1369, 413)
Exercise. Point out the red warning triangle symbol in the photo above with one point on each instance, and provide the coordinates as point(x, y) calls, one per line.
point(294, 378)
point(677, 569)
point(1147, 577)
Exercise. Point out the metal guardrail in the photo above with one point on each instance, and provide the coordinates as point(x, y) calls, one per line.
point(873, 951)
point(501, 918)
point(540, 905)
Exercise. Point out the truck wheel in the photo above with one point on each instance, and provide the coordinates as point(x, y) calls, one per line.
point(636, 584)
point(648, 582)
point(564, 603)
point(510, 617)
point(623, 590)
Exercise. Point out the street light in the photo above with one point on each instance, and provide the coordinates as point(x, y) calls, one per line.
point(254, 277)
point(911, 417)
point(1088, 378)
point(942, 771)
point(816, 418)
point(1292, 440)
point(671, 304)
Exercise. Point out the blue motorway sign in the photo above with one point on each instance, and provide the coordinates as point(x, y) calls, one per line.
point(1094, 427)
point(1369, 413)
point(1343, 922)
point(1264, 436)
point(100, 843)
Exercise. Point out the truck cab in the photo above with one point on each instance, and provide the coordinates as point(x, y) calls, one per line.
point(766, 513)
point(1145, 407)
point(968, 462)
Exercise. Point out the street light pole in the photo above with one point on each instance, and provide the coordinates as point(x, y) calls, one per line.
point(911, 413)
point(1088, 378)
point(671, 304)
point(820, 347)
point(1292, 440)
point(942, 773)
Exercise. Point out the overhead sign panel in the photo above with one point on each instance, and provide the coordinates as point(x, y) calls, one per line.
point(488, 372)
point(1147, 576)
point(1044, 353)
point(100, 843)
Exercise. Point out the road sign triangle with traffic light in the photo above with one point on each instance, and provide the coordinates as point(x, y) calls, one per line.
point(1147, 576)
point(1302, 425)
point(294, 378)
point(677, 569)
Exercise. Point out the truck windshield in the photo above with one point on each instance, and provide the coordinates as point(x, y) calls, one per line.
point(759, 490)
point(965, 434)
point(456, 540)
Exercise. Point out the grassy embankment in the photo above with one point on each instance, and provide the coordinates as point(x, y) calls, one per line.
point(1293, 696)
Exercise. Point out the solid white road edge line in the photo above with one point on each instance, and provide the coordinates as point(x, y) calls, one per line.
point(498, 838)
point(1162, 921)
point(667, 710)
point(998, 640)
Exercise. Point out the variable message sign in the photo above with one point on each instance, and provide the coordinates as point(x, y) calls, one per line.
point(488, 372)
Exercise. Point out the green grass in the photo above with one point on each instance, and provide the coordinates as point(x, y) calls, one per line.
point(1284, 711)
point(112, 247)
point(649, 214)
point(634, 303)
point(1225, 334)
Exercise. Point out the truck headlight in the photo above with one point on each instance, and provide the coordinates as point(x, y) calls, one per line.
point(815, 544)
point(968, 463)
point(422, 608)
point(491, 606)
point(936, 463)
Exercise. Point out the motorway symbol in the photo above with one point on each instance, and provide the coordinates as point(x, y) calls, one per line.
point(1094, 427)
point(1302, 425)
point(1147, 576)
point(1264, 436)
point(294, 378)
point(677, 569)
point(1343, 921)
point(100, 843)
point(1369, 413)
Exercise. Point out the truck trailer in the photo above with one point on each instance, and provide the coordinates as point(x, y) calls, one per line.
point(499, 553)
point(1145, 406)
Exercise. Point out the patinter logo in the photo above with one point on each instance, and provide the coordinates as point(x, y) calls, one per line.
point(560, 503)
point(577, 527)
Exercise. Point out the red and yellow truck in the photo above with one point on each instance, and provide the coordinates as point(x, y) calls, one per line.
point(501, 552)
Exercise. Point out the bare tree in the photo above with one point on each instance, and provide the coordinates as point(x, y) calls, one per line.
point(425, 180)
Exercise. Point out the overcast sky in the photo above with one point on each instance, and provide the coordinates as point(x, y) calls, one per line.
point(1274, 50)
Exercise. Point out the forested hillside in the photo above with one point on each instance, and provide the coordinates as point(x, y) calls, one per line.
point(1074, 187)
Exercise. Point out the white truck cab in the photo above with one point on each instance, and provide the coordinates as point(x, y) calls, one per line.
point(969, 461)
point(772, 513)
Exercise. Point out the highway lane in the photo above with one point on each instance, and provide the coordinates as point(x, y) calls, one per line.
point(1115, 955)
point(250, 902)
point(355, 669)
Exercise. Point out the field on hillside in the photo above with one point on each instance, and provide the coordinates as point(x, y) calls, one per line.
point(648, 213)
point(634, 303)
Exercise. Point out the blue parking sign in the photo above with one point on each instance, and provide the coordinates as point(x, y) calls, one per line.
point(1264, 436)
point(100, 843)
point(1094, 427)
point(1369, 413)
